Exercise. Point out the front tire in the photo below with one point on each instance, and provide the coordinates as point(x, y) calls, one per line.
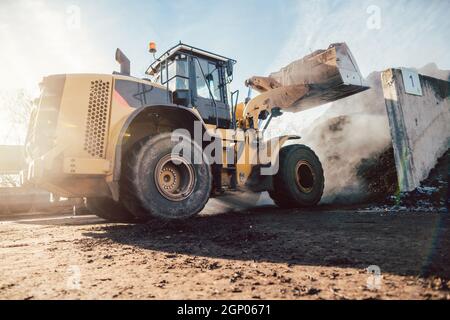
point(163, 182)
point(299, 181)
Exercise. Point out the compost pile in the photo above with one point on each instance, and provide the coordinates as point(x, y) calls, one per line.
point(378, 174)
point(431, 195)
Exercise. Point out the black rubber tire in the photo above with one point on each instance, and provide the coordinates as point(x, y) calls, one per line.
point(109, 209)
point(140, 188)
point(286, 192)
point(127, 189)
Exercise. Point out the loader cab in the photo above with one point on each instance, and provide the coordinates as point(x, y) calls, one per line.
point(197, 79)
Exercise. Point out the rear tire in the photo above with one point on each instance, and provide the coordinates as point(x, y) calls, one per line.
point(159, 182)
point(299, 181)
point(109, 209)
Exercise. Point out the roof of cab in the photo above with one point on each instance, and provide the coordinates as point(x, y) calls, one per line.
point(186, 48)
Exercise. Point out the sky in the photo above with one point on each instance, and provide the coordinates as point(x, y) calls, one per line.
point(41, 37)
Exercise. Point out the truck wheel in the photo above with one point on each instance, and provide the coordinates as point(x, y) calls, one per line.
point(128, 195)
point(299, 181)
point(109, 209)
point(162, 179)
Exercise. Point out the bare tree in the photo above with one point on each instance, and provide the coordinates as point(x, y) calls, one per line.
point(16, 108)
point(9, 180)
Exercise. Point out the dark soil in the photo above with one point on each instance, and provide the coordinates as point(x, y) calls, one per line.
point(380, 178)
point(379, 175)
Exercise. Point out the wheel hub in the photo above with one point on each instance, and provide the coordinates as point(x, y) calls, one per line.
point(304, 176)
point(174, 177)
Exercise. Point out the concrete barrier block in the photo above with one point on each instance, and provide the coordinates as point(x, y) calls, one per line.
point(15, 200)
point(419, 124)
point(12, 159)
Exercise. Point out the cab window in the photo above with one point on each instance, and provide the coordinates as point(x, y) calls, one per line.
point(206, 73)
point(176, 73)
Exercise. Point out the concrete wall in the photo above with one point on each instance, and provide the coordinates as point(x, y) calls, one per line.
point(17, 199)
point(12, 159)
point(28, 200)
point(25, 199)
point(419, 125)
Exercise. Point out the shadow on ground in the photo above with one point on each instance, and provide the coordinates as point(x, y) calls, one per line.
point(404, 244)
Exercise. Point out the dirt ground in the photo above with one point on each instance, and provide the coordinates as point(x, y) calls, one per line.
point(261, 253)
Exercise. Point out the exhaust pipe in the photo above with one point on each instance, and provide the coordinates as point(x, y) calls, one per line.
point(124, 62)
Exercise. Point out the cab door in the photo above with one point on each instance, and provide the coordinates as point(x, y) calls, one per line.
point(209, 93)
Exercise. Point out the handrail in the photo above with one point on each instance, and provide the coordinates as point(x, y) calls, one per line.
point(234, 107)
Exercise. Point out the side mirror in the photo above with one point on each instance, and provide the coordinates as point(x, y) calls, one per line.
point(230, 65)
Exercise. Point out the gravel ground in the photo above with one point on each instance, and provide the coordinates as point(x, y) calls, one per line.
point(262, 253)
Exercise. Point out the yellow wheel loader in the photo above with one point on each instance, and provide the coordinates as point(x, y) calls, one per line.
point(138, 149)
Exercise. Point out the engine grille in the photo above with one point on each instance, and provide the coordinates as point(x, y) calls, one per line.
point(97, 119)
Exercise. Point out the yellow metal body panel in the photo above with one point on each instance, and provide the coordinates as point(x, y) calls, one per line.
point(86, 166)
point(77, 105)
point(246, 155)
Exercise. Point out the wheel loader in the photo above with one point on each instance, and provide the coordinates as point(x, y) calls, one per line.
point(160, 147)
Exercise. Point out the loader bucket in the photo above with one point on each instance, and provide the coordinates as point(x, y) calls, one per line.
point(321, 77)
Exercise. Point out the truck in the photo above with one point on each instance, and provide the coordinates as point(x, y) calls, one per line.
point(160, 147)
